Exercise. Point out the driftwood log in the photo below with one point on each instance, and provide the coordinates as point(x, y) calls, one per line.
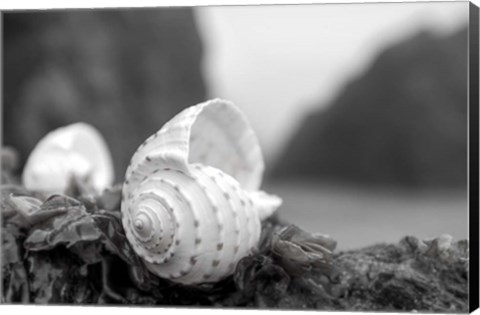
point(81, 256)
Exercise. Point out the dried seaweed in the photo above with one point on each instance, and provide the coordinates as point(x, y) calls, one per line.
point(68, 223)
point(14, 276)
point(73, 249)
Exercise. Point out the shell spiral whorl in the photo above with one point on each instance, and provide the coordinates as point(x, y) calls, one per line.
point(190, 205)
point(153, 227)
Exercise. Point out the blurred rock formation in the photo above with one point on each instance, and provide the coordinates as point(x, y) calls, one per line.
point(124, 71)
point(403, 122)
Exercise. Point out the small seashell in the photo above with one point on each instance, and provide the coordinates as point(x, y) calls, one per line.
point(190, 202)
point(77, 152)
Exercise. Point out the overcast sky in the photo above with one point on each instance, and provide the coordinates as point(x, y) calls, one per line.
point(277, 62)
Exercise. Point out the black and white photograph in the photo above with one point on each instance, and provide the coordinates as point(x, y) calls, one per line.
point(252, 157)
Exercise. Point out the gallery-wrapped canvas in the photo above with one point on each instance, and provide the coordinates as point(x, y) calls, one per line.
point(293, 157)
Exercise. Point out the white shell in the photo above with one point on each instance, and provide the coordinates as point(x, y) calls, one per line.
point(76, 150)
point(190, 203)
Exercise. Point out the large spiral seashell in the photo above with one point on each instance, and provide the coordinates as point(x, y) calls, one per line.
point(190, 202)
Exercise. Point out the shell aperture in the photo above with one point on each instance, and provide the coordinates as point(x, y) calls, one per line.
point(190, 202)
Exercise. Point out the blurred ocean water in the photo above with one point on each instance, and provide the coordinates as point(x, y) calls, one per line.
point(358, 217)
